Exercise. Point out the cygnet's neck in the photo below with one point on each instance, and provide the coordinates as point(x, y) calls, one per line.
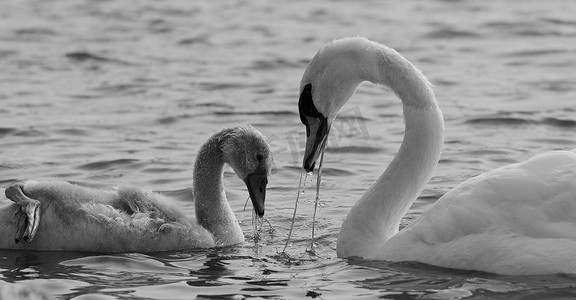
point(376, 216)
point(212, 209)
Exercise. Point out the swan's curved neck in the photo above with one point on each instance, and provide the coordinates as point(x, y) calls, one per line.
point(376, 216)
point(212, 209)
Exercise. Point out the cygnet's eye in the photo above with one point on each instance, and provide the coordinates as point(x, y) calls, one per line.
point(259, 157)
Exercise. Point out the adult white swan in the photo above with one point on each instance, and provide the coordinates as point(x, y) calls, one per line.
point(57, 215)
point(519, 219)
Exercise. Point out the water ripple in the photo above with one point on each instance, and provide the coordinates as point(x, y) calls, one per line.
point(561, 86)
point(275, 64)
point(499, 121)
point(6, 131)
point(202, 39)
point(83, 56)
point(260, 113)
point(74, 132)
point(15, 165)
point(535, 52)
point(354, 149)
point(125, 163)
point(336, 172)
point(451, 33)
point(30, 132)
point(516, 121)
point(35, 32)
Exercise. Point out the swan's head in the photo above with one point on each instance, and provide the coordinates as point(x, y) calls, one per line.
point(245, 149)
point(328, 83)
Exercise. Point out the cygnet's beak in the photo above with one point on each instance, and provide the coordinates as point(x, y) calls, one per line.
point(256, 184)
point(317, 129)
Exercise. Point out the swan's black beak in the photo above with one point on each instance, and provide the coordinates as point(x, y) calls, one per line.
point(256, 183)
point(315, 142)
point(317, 128)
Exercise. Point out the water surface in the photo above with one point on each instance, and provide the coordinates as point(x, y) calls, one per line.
point(125, 92)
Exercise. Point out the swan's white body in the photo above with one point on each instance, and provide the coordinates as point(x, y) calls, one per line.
point(127, 219)
point(519, 219)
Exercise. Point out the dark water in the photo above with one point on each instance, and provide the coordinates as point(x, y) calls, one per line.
point(124, 92)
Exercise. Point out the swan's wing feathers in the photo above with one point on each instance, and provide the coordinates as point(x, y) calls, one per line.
point(502, 251)
point(536, 197)
point(106, 216)
point(113, 230)
point(519, 213)
point(134, 200)
point(126, 207)
point(138, 210)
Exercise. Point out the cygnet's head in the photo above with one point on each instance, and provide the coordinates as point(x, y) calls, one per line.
point(245, 149)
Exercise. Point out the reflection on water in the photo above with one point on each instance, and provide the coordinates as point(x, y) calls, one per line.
point(117, 92)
